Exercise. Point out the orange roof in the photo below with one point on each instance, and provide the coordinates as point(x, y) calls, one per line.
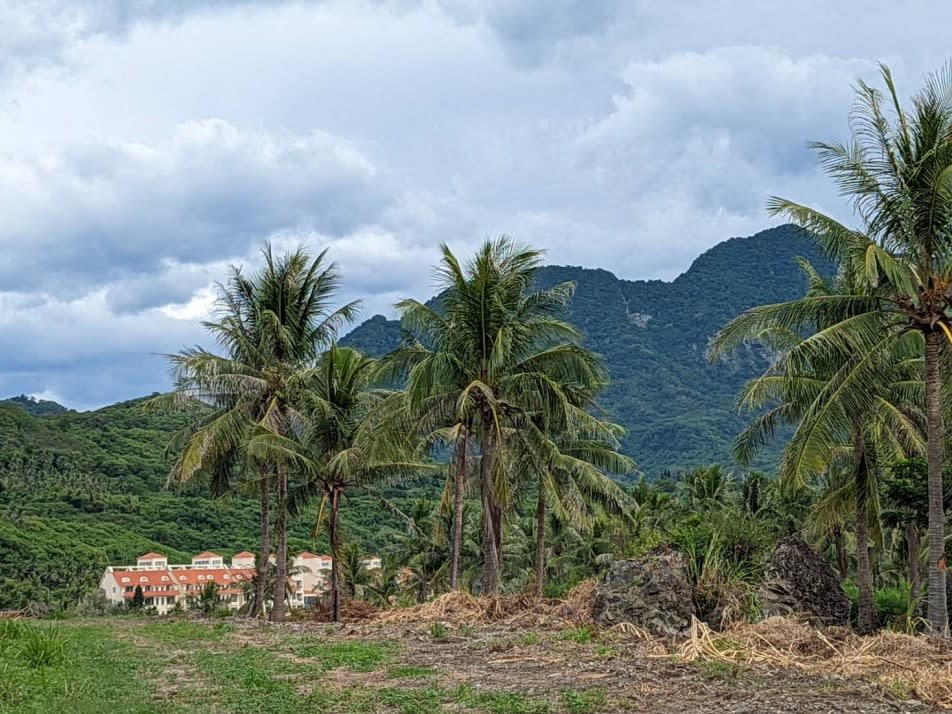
point(150, 555)
point(243, 554)
point(307, 555)
point(202, 576)
point(207, 554)
point(143, 577)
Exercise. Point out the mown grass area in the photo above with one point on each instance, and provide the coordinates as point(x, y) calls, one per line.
point(127, 665)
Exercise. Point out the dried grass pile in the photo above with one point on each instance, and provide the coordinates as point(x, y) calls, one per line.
point(522, 609)
point(901, 665)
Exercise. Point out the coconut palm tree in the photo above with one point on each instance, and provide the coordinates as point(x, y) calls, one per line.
point(494, 349)
point(851, 407)
point(570, 462)
point(897, 173)
point(344, 441)
point(272, 326)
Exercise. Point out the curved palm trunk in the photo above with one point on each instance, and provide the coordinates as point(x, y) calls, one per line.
point(278, 607)
point(264, 563)
point(490, 538)
point(912, 555)
point(335, 555)
point(864, 573)
point(842, 558)
point(458, 485)
point(540, 540)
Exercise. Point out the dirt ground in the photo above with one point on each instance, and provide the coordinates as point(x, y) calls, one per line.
point(632, 674)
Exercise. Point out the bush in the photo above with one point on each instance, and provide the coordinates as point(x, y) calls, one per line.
point(42, 646)
point(894, 607)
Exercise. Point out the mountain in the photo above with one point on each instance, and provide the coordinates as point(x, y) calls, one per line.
point(678, 409)
point(36, 407)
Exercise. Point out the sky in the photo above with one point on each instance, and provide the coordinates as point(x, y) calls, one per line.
point(146, 146)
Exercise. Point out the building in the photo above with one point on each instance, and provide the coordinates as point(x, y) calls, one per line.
point(166, 586)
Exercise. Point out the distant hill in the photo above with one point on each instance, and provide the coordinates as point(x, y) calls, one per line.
point(678, 409)
point(36, 407)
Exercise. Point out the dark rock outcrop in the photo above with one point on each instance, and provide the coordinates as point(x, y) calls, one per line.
point(797, 581)
point(652, 592)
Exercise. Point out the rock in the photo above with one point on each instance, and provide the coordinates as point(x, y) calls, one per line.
point(797, 581)
point(652, 592)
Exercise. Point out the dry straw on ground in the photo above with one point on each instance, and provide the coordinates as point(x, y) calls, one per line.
point(521, 609)
point(902, 665)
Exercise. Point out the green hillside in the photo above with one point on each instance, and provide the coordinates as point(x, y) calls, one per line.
point(678, 409)
point(81, 490)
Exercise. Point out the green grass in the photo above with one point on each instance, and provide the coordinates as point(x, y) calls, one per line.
point(70, 668)
point(174, 666)
point(355, 656)
point(582, 635)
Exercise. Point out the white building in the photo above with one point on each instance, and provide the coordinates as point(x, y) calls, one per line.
point(164, 586)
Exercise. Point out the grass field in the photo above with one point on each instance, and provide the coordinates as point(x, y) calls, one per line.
point(167, 665)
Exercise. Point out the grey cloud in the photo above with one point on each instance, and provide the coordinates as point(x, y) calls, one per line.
point(102, 213)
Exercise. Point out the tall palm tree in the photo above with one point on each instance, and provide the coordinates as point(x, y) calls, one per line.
point(493, 349)
point(897, 173)
point(272, 326)
point(850, 406)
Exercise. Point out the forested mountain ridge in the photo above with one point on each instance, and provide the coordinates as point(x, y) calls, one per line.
point(678, 409)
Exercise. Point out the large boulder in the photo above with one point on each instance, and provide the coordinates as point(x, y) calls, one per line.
point(652, 592)
point(799, 582)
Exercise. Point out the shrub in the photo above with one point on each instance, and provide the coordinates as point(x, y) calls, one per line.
point(42, 646)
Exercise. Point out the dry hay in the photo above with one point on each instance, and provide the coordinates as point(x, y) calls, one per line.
point(350, 610)
point(522, 609)
point(901, 665)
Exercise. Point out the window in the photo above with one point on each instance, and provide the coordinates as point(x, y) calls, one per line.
point(143, 579)
point(165, 578)
point(125, 580)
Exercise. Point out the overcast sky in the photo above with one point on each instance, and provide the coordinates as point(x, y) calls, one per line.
point(145, 146)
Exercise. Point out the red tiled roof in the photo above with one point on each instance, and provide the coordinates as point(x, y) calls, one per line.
point(207, 554)
point(307, 555)
point(150, 556)
point(243, 554)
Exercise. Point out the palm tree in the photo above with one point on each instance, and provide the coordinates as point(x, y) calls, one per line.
point(850, 406)
point(897, 173)
point(494, 350)
point(344, 442)
point(570, 462)
point(272, 326)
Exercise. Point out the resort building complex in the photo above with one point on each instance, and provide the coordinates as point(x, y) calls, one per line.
point(166, 586)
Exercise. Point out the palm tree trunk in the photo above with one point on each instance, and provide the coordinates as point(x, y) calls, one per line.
point(540, 539)
point(938, 609)
point(281, 557)
point(912, 555)
point(842, 558)
point(335, 557)
point(490, 554)
point(864, 574)
point(459, 482)
point(264, 554)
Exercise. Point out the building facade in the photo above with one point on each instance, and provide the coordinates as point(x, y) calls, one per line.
point(165, 586)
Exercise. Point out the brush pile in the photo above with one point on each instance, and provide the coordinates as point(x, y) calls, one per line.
point(519, 610)
point(904, 666)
